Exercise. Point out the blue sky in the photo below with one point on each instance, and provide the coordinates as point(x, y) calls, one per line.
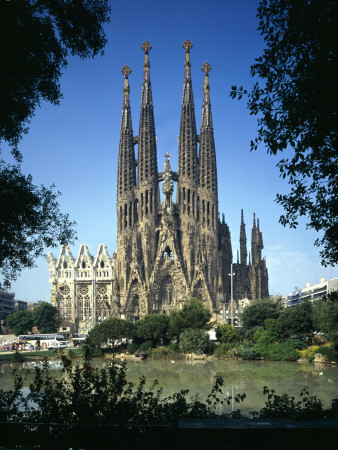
point(75, 145)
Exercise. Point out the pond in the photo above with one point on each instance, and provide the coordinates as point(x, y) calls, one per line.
point(247, 377)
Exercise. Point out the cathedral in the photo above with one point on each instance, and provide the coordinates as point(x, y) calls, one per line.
point(167, 250)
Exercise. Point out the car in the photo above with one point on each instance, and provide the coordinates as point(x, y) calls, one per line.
point(7, 347)
point(59, 344)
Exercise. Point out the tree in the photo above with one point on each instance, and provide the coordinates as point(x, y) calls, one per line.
point(193, 315)
point(30, 220)
point(194, 340)
point(110, 330)
point(325, 316)
point(36, 39)
point(226, 333)
point(46, 318)
point(258, 311)
point(20, 322)
point(296, 105)
point(153, 327)
point(298, 320)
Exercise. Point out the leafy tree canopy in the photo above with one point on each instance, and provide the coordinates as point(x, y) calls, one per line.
point(226, 333)
point(297, 320)
point(194, 340)
point(110, 330)
point(296, 105)
point(36, 38)
point(193, 315)
point(153, 327)
point(30, 220)
point(255, 314)
point(20, 322)
point(325, 316)
point(44, 318)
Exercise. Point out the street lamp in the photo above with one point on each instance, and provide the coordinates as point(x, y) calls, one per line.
point(231, 274)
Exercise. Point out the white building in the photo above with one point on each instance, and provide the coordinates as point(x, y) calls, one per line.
point(312, 292)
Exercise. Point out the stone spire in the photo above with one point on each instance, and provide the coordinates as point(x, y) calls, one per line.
point(207, 159)
point(187, 150)
point(147, 152)
point(126, 175)
point(242, 241)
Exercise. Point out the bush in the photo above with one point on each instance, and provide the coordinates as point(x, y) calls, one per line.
point(165, 353)
point(248, 351)
point(174, 346)
point(227, 333)
point(225, 350)
point(194, 341)
point(131, 349)
point(328, 351)
point(146, 346)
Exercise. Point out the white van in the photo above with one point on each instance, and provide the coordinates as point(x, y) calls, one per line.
point(59, 344)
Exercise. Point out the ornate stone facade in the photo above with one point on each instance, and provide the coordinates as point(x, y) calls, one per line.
point(167, 251)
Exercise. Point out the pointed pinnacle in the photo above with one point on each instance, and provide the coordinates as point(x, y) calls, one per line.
point(187, 45)
point(206, 68)
point(125, 71)
point(146, 47)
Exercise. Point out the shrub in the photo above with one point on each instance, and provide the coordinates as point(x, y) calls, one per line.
point(194, 341)
point(165, 353)
point(248, 351)
point(225, 350)
point(131, 349)
point(146, 346)
point(328, 351)
point(174, 346)
point(227, 333)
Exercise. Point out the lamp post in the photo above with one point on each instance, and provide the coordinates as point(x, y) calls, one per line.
point(232, 294)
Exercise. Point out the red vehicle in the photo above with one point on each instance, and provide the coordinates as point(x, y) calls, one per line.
point(7, 347)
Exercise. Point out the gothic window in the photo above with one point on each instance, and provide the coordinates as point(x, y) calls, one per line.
point(102, 264)
point(84, 301)
point(167, 254)
point(64, 265)
point(83, 265)
point(167, 292)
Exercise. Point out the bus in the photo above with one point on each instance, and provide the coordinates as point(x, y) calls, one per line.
point(42, 340)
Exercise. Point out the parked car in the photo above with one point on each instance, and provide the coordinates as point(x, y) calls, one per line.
point(7, 347)
point(59, 344)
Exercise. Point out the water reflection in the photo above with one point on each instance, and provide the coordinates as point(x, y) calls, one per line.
point(199, 376)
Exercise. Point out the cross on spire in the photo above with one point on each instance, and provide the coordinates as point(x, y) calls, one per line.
point(146, 47)
point(187, 45)
point(206, 68)
point(125, 71)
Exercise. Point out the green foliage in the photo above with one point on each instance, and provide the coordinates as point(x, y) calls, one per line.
point(131, 349)
point(327, 351)
point(326, 317)
point(153, 327)
point(36, 39)
point(296, 106)
point(165, 353)
point(285, 406)
point(225, 350)
point(193, 315)
point(258, 311)
point(30, 221)
point(227, 333)
point(46, 318)
point(20, 322)
point(194, 340)
point(248, 351)
point(146, 346)
point(298, 320)
point(276, 351)
point(110, 330)
point(40, 36)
